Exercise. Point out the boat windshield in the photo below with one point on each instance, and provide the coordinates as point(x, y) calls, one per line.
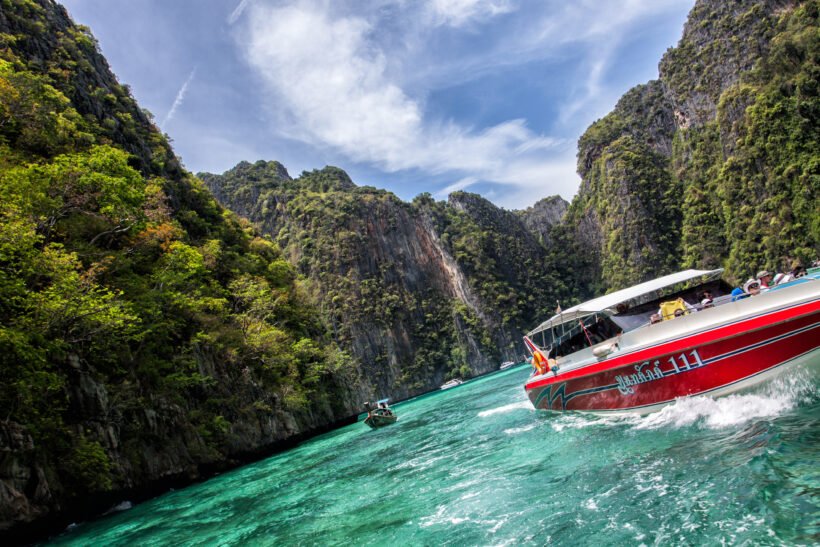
point(574, 336)
point(569, 336)
point(639, 315)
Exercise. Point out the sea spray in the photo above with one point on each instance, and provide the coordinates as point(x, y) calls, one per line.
point(770, 399)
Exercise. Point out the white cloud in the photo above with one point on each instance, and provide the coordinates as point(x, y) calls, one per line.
point(333, 80)
point(462, 184)
point(178, 99)
point(338, 80)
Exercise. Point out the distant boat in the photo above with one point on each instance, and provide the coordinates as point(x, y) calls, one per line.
point(506, 364)
point(452, 383)
point(379, 414)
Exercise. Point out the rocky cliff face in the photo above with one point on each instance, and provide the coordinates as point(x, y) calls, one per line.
point(683, 173)
point(45, 36)
point(541, 218)
point(418, 293)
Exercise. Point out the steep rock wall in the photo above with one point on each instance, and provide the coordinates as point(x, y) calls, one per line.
point(418, 292)
point(684, 171)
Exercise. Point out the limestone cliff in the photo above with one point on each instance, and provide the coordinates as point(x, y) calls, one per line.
point(543, 216)
point(713, 163)
point(148, 337)
point(419, 292)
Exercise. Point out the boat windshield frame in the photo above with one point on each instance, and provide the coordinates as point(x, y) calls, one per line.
point(609, 306)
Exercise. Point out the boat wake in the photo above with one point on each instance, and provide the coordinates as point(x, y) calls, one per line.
point(580, 421)
point(775, 398)
point(517, 430)
point(506, 408)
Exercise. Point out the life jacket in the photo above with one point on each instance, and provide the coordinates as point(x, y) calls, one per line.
point(669, 308)
point(540, 362)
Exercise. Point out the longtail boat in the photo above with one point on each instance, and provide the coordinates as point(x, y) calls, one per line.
point(379, 414)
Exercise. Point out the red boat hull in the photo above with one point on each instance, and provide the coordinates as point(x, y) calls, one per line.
point(715, 362)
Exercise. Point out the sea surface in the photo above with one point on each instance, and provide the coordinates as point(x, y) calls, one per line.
point(476, 465)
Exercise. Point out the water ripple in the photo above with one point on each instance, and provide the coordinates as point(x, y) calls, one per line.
point(478, 466)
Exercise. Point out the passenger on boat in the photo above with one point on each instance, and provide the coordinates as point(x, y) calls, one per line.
point(706, 301)
point(752, 287)
point(737, 294)
point(764, 278)
point(675, 308)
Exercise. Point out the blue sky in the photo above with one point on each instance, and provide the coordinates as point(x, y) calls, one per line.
point(413, 96)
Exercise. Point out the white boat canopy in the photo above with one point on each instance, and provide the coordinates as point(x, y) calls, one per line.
point(611, 300)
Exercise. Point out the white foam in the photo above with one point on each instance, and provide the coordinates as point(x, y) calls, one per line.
point(775, 398)
point(580, 421)
point(523, 429)
point(122, 506)
point(504, 409)
point(591, 505)
point(441, 517)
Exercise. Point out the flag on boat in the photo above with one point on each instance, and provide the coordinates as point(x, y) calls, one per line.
point(539, 361)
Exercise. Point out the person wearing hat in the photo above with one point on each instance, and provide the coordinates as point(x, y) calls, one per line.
point(752, 287)
point(707, 301)
point(764, 278)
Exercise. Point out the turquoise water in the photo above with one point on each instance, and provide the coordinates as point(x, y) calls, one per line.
point(476, 465)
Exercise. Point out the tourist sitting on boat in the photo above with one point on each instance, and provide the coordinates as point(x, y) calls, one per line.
point(752, 287)
point(675, 308)
point(764, 278)
point(707, 301)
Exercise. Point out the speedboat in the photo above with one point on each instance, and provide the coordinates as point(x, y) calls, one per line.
point(379, 414)
point(452, 383)
point(617, 354)
point(506, 364)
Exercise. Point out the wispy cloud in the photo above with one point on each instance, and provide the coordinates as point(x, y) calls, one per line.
point(237, 12)
point(466, 182)
point(178, 99)
point(458, 12)
point(338, 79)
point(335, 83)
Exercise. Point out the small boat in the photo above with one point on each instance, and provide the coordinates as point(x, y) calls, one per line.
point(379, 414)
point(506, 365)
point(452, 383)
point(617, 353)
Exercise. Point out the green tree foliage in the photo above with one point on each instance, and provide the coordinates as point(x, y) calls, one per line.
point(34, 116)
point(734, 183)
point(133, 308)
point(375, 266)
point(753, 179)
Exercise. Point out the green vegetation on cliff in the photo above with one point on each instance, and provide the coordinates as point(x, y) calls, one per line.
point(416, 292)
point(144, 330)
point(734, 181)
